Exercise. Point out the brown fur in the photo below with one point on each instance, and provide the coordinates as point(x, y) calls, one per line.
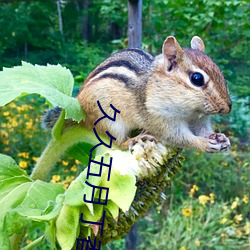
point(156, 95)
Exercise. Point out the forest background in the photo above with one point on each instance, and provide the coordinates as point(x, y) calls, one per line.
point(207, 205)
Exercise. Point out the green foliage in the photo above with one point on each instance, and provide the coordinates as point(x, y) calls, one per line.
point(223, 25)
point(238, 121)
point(52, 82)
point(207, 207)
point(232, 166)
point(19, 198)
point(81, 58)
point(30, 32)
point(198, 224)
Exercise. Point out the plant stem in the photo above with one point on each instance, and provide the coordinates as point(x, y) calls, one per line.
point(57, 147)
point(16, 240)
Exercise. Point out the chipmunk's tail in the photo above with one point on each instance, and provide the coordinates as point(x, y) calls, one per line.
point(50, 117)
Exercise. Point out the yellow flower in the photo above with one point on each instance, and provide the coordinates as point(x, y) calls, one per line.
point(23, 164)
point(203, 199)
point(211, 195)
point(73, 168)
point(6, 141)
point(238, 233)
point(65, 185)
point(247, 227)
point(197, 242)
point(35, 159)
point(23, 107)
point(183, 248)
point(223, 235)
point(77, 162)
point(12, 105)
point(235, 203)
point(193, 190)
point(70, 178)
point(223, 220)
point(187, 211)
point(238, 159)
point(65, 163)
point(14, 123)
point(6, 149)
point(234, 152)
point(245, 199)
point(55, 178)
point(4, 134)
point(29, 124)
point(24, 154)
point(238, 218)
point(6, 113)
point(224, 164)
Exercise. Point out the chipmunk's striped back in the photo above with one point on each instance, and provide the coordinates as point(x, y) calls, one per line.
point(123, 66)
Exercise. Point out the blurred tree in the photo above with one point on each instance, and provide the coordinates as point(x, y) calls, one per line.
point(58, 2)
point(134, 23)
point(30, 31)
point(86, 21)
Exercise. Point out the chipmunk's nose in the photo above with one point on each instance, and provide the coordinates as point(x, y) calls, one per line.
point(227, 108)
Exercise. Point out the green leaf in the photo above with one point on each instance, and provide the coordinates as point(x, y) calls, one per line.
point(96, 216)
point(81, 152)
point(9, 168)
point(4, 240)
point(10, 221)
point(50, 234)
point(6, 186)
point(21, 199)
point(39, 194)
point(53, 82)
point(67, 226)
point(122, 189)
point(47, 216)
point(113, 209)
point(28, 201)
point(14, 223)
point(118, 184)
point(75, 193)
point(14, 198)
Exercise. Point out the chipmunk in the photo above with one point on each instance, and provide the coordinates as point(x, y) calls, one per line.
point(170, 97)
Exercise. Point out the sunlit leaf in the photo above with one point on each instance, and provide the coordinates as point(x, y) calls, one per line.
point(53, 82)
point(67, 226)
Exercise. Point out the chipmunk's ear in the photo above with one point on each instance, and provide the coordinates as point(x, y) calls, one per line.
point(171, 49)
point(197, 43)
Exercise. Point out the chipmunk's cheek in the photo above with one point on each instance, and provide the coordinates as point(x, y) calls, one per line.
point(208, 109)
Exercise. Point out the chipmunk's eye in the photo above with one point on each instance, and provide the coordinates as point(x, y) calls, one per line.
point(197, 79)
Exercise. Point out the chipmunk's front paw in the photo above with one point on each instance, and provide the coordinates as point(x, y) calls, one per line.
point(141, 139)
point(218, 142)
